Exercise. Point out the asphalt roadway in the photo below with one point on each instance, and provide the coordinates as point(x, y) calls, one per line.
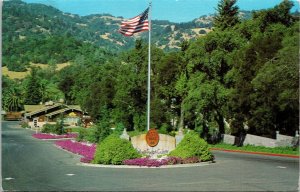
point(29, 164)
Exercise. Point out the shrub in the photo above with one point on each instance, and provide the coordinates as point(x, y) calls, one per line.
point(48, 128)
point(81, 134)
point(114, 150)
point(174, 160)
point(192, 146)
point(119, 128)
point(102, 131)
point(87, 134)
point(164, 129)
point(59, 128)
point(190, 160)
point(24, 125)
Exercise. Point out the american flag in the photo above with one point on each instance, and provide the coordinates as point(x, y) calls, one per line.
point(134, 25)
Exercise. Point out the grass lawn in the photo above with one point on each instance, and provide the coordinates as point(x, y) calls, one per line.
point(278, 150)
point(22, 75)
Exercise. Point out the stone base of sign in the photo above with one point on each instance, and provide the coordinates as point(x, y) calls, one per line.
point(124, 135)
point(179, 136)
point(166, 144)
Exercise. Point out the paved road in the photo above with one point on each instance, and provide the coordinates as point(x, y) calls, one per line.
point(29, 164)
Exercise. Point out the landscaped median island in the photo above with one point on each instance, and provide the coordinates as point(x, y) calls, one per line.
point(117, 151)
point(110, 149)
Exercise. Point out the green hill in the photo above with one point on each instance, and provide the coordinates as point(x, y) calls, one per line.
point(38, 33)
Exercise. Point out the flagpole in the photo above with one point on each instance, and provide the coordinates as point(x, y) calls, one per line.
point(149, 67)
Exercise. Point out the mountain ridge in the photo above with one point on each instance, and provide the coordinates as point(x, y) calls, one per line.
point(27, 27)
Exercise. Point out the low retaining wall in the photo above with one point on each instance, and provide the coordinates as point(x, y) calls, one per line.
point(281, 140)
point(229, 139)
point(166, 143)
point(259, 141)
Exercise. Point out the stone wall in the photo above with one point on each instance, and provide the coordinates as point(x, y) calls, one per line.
point(166, 143)
point(281, 140)
point(229, 139)
point(259, 141)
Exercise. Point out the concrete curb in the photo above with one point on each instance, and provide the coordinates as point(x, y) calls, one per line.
point(54, 139)
point(256, 153)
point(144, 167)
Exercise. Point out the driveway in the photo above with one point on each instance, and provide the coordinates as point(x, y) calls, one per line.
point(29, 164)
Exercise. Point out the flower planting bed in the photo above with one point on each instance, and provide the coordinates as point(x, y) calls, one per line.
point(148, 162)
point(54, 136)
point(83, 149)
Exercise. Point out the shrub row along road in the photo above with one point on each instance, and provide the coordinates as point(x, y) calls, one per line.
point(29, 164)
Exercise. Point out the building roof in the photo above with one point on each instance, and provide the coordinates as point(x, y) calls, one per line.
point(36, 109)
point(75, 107)
point(62, 111)
point(30, 108)
point(43, 109)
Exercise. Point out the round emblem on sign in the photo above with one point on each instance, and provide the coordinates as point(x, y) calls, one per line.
point(152, 137)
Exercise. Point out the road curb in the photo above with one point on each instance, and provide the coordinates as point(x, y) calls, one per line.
point(54, 139)
point(145, 167)
point(256, 153)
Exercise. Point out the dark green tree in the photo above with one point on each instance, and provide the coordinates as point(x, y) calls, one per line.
point(33, 92)
point(12, 95)
point(227, 14)
point(253, 100)
point(279, 14)
point(209, 85)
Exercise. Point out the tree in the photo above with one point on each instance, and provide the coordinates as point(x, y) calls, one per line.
point(227, 15)
point(279, 14)
point(33, 92)
point(208, 88)
point(165, 74)
point(276, 90)
point(12, 99)
point(181, 84)
point(67, 78)
point(258, 67)
point(50, 91)
point(52, 64)
point(131, 87)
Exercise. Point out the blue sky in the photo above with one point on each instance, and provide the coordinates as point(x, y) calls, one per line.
point(172, 10)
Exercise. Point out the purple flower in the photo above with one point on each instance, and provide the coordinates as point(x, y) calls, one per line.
point(53, 136)
point(86, 160)
point(159, 162)
point(87, 151)
point(145, 162)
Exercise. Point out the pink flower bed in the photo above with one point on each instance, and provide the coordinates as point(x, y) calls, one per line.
point(159, 162)
point(87, 151)
point(53, 136)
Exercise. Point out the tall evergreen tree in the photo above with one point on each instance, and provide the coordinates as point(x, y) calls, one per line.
point(33, 93)
point(227, 14)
